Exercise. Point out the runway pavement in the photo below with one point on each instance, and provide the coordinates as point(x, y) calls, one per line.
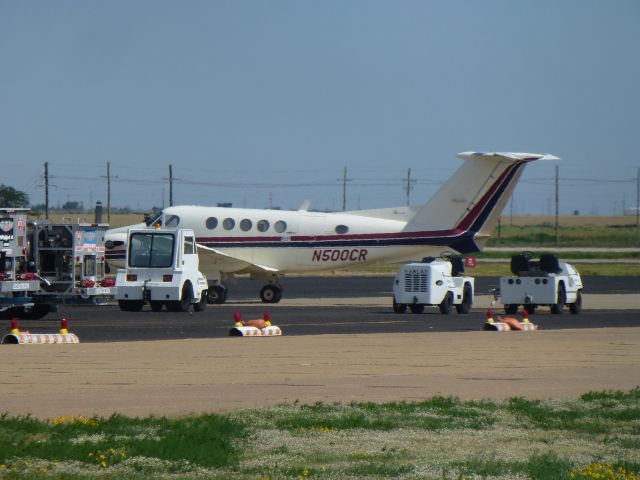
point(347, 347)
point(332, 305)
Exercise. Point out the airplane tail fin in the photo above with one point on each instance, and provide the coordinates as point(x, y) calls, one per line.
point(472, 200)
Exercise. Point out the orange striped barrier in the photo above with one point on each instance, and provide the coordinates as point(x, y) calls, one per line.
point(260, 327)
point(507, 324)
point(39, 338)
point(16, 337)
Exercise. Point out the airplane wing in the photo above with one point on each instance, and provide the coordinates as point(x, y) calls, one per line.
point(228, 263)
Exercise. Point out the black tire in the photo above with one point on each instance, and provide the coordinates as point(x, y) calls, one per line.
point(557, 307)
point(511, 309)
point(576, 307)
point(216, 295)
point(467, 300)
point(417, 308)
point(447, 304)
point(37, 312)
point(530, 308)
point(399, 307)
point(12, 312)
point(156, 306)
point(130, 305)
point(202, 303)
point(270, 294)
point(184, 304)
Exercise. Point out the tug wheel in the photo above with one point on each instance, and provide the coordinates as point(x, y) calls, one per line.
point(130, 305)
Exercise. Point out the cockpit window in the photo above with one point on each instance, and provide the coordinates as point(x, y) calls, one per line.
point(153, 219)
point(172, 221)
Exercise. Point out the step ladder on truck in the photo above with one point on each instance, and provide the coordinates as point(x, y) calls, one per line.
point(161, 270)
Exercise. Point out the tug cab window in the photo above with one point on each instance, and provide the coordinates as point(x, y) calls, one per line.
point(189, 245)
point(151, 250)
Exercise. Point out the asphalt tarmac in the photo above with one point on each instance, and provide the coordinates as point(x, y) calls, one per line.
point(323, 315)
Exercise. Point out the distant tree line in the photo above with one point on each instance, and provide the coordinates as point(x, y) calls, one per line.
point(12, 198)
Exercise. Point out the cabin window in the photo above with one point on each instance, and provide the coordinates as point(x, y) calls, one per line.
point(341, 229)
point(280, 226)
point(228, 223)
point(263, 225)
point(245, 225)
point(172, 221)
point(211, 223)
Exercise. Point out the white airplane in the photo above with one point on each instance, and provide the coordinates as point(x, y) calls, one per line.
point(267, 244)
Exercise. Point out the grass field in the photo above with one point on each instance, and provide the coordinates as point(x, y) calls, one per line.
point(595, 436)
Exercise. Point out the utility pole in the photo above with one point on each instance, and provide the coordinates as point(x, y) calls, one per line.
point(170, 185)
point(108, 193)
point(408, 185)
point(344, 189)
point(557, 205)
point(46, 190)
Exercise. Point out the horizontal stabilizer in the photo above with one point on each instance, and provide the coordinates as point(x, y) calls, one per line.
point(530, 157)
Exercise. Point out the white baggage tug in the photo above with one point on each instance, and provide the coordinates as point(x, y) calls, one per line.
point(433, 282)
point(161, 270)
point(544, 282)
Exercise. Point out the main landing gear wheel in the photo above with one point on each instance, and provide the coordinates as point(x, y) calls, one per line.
point(270, 294)
point(216, 294)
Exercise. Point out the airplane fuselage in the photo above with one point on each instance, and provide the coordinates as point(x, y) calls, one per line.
point(253, 240)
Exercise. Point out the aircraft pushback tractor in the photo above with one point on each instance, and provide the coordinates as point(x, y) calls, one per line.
point(266, 244)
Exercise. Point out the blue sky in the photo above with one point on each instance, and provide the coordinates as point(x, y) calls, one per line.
point(264, 103)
